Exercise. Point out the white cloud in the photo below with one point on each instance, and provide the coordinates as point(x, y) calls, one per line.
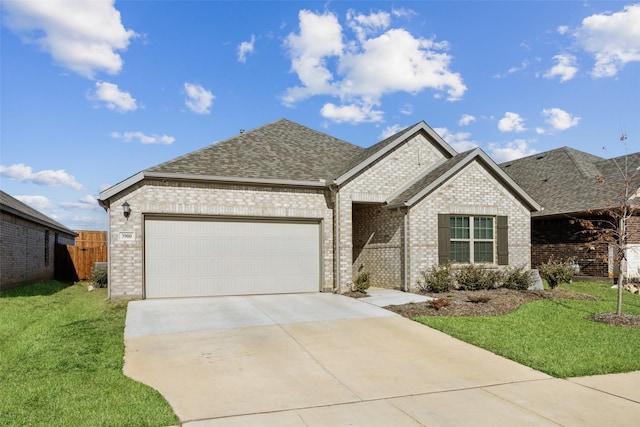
point(361, 71)
point(407, 109)
point(245, 48)
point(351, 113)
point(460, 141)
point(83, 36)
point(87, 202)
point(565, 68)
point(143, 138)
point(365, 25)
point(49, 178)
point(466, 120)
point(511, 122)
point(113, 97)
point(510, 151)
point(612, 38)
point(39, 203)
point(390, 130)
point(560, 119)
point(199, 100)
point(563, 29)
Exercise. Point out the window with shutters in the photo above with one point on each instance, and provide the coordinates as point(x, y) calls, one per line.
point(472, 239)
point(467, 239)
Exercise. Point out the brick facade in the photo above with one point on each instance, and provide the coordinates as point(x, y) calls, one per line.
point(211, 200)
point(562, 239)
point(473, 191)
point(25, 256)
point(378, 237)
point(371, 237)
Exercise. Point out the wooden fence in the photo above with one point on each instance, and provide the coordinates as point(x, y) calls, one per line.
point(76, 262)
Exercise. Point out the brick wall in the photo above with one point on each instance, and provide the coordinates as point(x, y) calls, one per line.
point(23, 252)
point(473, 191)
point(377, 244)
point(562, 239)
point(182, 198)
point(376, 184)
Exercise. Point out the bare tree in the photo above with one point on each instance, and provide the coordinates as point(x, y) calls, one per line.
point(611, 226)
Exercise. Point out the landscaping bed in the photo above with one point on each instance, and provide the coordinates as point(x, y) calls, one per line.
point(498, 301)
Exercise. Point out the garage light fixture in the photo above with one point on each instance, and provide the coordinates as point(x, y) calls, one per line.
point(126, 210)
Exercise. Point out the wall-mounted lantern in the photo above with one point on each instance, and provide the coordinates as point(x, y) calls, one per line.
point(126, 210)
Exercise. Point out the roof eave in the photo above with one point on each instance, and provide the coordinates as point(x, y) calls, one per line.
point(30, 218)
point(121, 186)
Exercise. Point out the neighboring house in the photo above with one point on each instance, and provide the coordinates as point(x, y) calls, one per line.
point(284, 208)
point(28, 242)
point(569, 185)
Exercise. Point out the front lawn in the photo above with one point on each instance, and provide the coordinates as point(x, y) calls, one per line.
point(554, 336)
point(61, 355)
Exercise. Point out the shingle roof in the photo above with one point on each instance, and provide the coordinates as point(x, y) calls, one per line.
point(16, 207)
point(281, 150)
point(564, 180)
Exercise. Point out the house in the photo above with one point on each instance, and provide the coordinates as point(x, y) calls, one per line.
point(28, 241)
point(284, 208)
point(569, 185)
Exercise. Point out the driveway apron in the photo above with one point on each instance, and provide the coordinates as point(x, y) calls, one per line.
point(324, 359)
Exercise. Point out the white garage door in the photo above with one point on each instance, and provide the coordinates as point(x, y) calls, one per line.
point(205, 257)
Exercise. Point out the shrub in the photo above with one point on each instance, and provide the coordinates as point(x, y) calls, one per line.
point(474, 277)
point(362, 282)
point(438, 303)
point(100, 275)
point(556, 272)
point(437, 279)
point(518, 278)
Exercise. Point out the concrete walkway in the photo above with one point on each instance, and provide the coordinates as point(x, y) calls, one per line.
point(323, 359)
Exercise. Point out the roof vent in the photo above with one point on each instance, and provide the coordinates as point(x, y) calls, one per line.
point(241, 131)
point(539, 157)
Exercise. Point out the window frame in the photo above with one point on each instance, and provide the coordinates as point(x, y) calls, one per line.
point(470, 227)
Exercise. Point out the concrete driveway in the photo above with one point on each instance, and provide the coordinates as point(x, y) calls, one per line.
point(329, 360)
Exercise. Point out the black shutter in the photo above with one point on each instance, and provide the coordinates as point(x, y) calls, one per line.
point(444, 239)
point(503, 240)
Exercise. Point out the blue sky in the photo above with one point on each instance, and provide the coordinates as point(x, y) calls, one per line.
point(95, 91)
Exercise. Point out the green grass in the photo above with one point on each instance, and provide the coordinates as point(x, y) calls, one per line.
point(61, 356)
point(554, 336)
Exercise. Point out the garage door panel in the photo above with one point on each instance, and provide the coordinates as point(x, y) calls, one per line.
point(208, 257)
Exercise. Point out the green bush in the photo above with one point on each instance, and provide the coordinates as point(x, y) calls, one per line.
point(100, 275)
point(474, 277)
point(518, 278)
point(362, 282)
point(437, 279)
point(556, 272)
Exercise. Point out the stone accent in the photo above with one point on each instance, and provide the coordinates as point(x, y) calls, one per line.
point(24, 256)
point(205, 199)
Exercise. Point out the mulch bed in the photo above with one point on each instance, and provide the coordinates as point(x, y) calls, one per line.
point(499, 301)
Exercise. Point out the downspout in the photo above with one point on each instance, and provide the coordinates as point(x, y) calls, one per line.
point(405, 273)
point(109, 275)
point(336, 237)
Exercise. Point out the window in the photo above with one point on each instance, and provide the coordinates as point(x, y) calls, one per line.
point(46, 247)
point(472, 239)
point(466, 239)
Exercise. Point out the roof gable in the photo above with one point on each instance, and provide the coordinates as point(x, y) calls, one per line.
point(442, 172)
point(376, 151)
point(16, 207)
